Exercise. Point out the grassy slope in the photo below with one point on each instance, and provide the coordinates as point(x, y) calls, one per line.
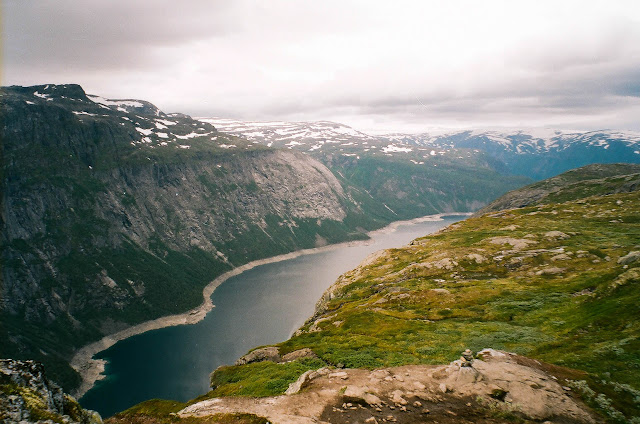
point(414, 306)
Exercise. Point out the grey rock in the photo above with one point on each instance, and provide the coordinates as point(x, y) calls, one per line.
point(269, 353)
point(629, 258)
point(29, 377)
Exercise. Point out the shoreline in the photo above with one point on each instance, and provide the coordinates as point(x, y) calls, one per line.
point(91, 370)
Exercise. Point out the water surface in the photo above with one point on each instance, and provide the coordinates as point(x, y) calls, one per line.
point(263, 305)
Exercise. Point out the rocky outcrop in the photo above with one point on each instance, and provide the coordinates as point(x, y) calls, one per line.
point(26, 396)
point(496, 381)
point(272, 353)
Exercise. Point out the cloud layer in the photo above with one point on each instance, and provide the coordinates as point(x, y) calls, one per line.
point(398, 66)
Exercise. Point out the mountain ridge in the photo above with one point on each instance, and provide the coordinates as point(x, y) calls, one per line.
point(536, 153)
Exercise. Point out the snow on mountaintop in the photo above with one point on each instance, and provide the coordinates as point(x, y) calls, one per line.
point(534, 152)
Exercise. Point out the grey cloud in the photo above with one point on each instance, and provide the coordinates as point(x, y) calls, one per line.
point(314, 60)
point(104, 34)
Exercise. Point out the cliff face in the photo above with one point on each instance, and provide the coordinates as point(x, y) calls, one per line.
point(114, 212)
point(26, 396)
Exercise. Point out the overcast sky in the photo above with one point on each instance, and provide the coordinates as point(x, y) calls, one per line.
point(379, 66)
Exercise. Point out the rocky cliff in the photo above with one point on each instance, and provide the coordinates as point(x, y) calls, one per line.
point(27, 396)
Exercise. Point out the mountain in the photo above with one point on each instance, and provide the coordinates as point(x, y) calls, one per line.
point(535, 153)
point(114, 212)
point(555, 281)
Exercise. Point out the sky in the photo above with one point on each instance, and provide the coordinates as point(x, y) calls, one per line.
point(392, 66)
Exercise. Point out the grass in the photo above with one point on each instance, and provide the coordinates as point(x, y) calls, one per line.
point(258, 379)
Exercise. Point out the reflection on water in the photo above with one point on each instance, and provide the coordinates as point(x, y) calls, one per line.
point(263, 305)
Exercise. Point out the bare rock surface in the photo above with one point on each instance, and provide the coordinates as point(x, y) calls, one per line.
point(409, 394)
point(26, 395)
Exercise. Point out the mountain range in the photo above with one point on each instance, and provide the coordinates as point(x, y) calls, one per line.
point(535, 153)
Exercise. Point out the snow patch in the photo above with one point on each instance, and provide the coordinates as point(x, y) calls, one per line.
point(392, 148)
point(144, 131)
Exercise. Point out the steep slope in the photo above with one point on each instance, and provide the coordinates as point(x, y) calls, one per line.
point(28, 396)
point(114, 212)
point(556, 282)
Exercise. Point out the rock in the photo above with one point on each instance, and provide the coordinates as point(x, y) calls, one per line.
point(360, 395)
point(561, 257)
point(269, 353)
point(518, 244)
point(342, 374)
point(629, 258)
point(556, 235)
point(37, 396)
point(397, 398)
point(476, 257)
point(418, 385)
point(296, 386)
point(445, 263)
point(551, 271)
point(299, 354)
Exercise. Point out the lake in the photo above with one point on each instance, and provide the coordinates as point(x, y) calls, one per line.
point(263, 305)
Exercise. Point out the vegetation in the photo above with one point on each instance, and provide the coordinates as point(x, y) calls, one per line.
point(260, 378)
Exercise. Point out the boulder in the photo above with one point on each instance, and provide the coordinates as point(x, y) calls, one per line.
point(629, 258)
point(269, 353)
point(298, 354)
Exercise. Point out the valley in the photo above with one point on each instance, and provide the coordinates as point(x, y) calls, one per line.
point(116, 213)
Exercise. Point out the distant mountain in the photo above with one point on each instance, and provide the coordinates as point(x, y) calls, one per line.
point(535, 153)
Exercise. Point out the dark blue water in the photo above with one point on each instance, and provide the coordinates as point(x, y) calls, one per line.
point(264, 305)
